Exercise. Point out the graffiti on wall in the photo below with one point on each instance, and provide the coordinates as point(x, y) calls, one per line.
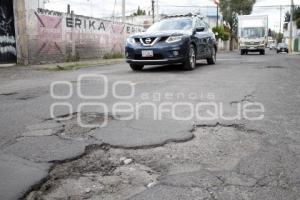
point(7, 33)
point(106, 35)
point(92, 37)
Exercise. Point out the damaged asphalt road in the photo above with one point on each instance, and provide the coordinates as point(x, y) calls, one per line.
point(45, 158)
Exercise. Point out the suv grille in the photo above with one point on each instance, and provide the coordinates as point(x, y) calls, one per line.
point(252, 43)
point(148, 40)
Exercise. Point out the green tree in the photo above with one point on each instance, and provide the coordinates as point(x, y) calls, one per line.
point(221, 33)
point(230, 10)
point(279, 37)
point(298, 23)
point(139, 12)
point(296, 14)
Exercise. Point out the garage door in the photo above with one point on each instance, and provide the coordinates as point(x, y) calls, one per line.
point(7, 33)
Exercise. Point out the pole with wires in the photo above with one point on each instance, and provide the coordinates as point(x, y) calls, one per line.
point(280, 22)
point(123, 11)
point(291, 27)
point(157, 11)
point(153, 13)
point(217, 2)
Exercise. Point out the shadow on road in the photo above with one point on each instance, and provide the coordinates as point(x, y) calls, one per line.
point(171, 68)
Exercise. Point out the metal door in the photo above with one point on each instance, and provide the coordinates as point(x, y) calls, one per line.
point(7, 33)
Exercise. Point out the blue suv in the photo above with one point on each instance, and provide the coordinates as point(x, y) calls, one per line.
point(173, 40)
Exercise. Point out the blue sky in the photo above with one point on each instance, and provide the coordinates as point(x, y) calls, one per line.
point(104, 8)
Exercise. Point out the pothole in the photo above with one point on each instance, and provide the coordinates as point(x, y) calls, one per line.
point(72, 129)
point(69, 129)
point(98, 175)
point(103, 173)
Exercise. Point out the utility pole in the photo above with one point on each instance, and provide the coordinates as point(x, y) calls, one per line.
point(280, 18)
point(291, 27)
point(123, 12)
point(217, 2)
point(153, 13)
point(157, 11)
point(73, 52)
point(217, 15)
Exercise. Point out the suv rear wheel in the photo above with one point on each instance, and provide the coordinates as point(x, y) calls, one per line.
point(213, 58)
point(136, 67)
point(190, 62)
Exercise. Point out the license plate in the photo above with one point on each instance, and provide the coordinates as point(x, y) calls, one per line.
point(252, 48)
point(147, 53)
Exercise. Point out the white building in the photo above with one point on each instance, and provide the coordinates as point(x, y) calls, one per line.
point(295, 33)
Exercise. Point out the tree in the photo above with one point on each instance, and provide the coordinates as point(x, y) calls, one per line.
point(287, 17)
point(296, 15)
point(298, 23)
point(231, 9)
point(279, 37)
point(139, 12)
point(221, 33)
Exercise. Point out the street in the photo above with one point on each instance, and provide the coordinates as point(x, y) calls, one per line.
point(148, 157)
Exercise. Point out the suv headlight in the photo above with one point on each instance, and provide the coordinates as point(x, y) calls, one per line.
point(173, 39)
point(262, 43)
point(130, 40)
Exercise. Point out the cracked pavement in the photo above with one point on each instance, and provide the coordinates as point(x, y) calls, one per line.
point(44, 158)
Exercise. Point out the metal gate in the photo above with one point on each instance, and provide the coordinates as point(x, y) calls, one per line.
point(7, 33)
point(296, 45)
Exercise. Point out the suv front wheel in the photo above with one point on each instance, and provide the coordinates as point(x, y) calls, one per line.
point(213, 58)
point(190, 62)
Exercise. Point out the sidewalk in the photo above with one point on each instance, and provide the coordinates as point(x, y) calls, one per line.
point(77, 65)
point(67, 65)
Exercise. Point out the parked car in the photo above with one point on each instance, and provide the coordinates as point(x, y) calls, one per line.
point(175, 39)
point(282, 47)
point(272, 46)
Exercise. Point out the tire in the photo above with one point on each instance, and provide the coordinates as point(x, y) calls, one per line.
point(242, 52)
point(190, 62)
point(213, 58)
point(136, 67)
point(262, 52)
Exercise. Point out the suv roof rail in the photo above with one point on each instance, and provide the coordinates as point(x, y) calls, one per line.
point(184, 15)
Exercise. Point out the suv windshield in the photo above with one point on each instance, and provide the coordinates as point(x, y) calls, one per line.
point(171, 24)
point(282, 45)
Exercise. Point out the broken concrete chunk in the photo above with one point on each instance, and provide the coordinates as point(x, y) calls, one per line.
point(150, 185)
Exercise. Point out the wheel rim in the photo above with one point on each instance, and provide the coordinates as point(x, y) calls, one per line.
point(192, 58)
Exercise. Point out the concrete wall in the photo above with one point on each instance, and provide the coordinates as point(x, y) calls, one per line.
point(47, 36)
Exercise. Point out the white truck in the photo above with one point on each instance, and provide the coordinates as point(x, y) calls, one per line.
point(253, 33)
